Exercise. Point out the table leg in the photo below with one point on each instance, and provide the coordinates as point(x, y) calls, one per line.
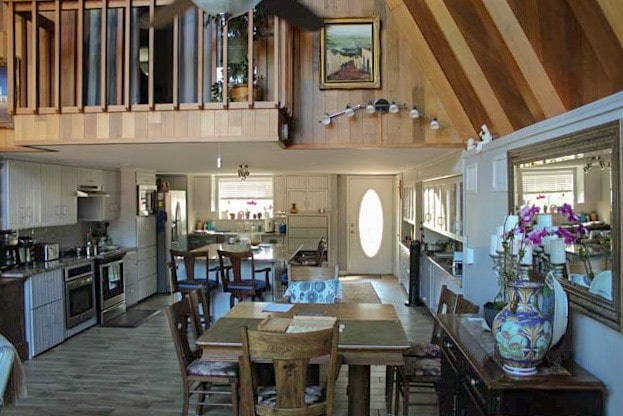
point(358, 390)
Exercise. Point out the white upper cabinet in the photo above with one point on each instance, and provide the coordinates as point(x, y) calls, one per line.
point(21, 191)
point(279, 193)
point(146, 178)
point(443, 206)
point(94, 177)
point(112, 184)
point(309, 193)
point(58, 195)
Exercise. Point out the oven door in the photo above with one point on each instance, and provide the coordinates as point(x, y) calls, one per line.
point(111, 275)
point(79, 300)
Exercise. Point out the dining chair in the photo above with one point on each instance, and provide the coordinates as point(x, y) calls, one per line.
point(186, 271)
point(290, 356)
point(313, 284)
point(201, 310)
point(304, 260)
point(242, 286)
point(422, 366)
point(199, 377)
point(465, 306)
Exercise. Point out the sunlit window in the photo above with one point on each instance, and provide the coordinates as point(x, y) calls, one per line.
point(254, 195)
point(370, 223)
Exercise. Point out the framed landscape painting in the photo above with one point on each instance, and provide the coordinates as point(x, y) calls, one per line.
point(349, 53)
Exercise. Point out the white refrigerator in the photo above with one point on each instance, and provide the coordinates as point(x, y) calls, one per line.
point(172, 231)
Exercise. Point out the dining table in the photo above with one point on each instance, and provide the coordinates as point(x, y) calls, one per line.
point(370, 334)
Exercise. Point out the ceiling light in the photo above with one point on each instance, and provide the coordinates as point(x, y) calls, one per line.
point(393, 108)
point(326, 119)
point(434, 124)
point(243, 171)
point(370, 108)
point(219, 162)
point(349, 111)
point(414, 113)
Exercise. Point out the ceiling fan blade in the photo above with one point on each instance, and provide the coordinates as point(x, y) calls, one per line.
point(163, 16)
point(295, 13)
point(229, 8)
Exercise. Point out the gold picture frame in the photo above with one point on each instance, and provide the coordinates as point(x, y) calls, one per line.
point(350, 51)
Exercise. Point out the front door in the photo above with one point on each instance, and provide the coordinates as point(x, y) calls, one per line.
point(370, 227)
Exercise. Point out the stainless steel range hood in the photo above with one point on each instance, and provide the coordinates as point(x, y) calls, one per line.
point(91, 191)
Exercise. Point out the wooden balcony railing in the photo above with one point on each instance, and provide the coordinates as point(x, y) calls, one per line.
point(83, 56)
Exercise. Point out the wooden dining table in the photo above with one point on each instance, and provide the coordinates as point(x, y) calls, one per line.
point(370, 334)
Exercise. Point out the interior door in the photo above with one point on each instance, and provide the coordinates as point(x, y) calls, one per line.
point(370, 226)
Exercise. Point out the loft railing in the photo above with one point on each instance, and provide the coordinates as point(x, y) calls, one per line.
point(71, 56)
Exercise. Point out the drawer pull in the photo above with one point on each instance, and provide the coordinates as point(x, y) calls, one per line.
point(473, 382)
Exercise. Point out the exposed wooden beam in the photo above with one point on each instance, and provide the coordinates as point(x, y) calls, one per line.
point(532, 69)
point(433, 70)
point(470, 66)
point(601, 37)
point(613, 12)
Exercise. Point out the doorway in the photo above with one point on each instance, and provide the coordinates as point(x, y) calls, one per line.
point(369, 224)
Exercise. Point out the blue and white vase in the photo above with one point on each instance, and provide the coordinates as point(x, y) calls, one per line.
point(522, 331)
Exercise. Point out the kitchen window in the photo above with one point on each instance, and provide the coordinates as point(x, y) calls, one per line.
point(253, 195)
point(549, 187)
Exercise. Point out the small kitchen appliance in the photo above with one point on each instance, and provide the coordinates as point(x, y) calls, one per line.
point(269, 225)
point(47, 252)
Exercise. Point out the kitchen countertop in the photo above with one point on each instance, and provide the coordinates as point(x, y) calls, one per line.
point(445, 264)
point(25, 272)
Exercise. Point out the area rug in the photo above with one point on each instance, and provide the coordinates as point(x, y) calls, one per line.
point(359, 292)
point(131, 318)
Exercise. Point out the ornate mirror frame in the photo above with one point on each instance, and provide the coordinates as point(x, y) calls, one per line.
point(603, 137)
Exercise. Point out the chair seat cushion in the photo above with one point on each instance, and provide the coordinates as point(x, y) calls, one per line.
point(267, 395)
point(260, 285)
point(212, 368)
point(418, 367)
point(314, 291)
point(422, 350)
point(183, 284)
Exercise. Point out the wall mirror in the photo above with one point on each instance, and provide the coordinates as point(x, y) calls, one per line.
point(584, 170)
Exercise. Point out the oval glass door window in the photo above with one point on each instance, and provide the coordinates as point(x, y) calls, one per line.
point(370, 223)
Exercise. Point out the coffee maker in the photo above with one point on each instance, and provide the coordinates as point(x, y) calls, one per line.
point(25, 251)
point(9, 251)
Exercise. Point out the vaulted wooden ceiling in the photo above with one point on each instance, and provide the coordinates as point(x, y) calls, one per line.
point(512, 63)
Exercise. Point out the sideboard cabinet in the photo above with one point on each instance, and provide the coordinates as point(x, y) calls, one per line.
point(474, 384)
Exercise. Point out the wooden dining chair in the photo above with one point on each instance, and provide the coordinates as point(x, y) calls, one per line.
point(290, 356)
point(422, 361)
point(199, 377)
point(239, 285)
point(313, 284)
point(201, 310)
point(190, 277)
point(465, 306)
point(304, 260)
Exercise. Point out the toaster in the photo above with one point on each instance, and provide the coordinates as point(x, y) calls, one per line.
point(47, 251)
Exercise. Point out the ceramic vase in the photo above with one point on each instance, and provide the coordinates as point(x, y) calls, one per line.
point(522, 331)
point(294, 209)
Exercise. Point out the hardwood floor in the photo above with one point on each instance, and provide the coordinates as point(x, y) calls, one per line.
point(134, 371)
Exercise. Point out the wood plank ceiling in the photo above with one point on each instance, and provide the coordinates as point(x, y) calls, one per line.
point(512, 63)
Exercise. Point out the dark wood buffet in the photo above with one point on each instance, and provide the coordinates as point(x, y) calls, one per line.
point(474, 384)
point(12, 324)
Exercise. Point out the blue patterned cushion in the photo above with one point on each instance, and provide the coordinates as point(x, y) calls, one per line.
point(267, 396)
point(212, 368)
point(260, 285)
point(183, 284)
point(422, 367)
point(314, 291)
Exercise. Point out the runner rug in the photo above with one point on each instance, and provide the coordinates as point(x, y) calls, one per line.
point(359, 292)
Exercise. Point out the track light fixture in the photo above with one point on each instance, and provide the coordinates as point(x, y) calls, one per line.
point(381, 105)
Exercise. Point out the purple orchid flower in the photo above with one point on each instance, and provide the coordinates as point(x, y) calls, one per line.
point(567, 210)
point(536, 237)
point(526, 213)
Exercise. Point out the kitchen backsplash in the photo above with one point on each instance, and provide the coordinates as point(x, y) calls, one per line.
point(68, 236)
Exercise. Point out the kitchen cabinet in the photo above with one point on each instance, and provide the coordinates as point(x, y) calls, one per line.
point(404, 266)
point(45, 311)
point(130, 275)
point(307, 230)
point(12, 323)
point(309, 193)
point(58, 195)
point(111, 186)
point(146, 257)
point(279, 194)
point(443, 206)
point(146, 178)
point(91, 177)
point(21, 193)
point(202, 191)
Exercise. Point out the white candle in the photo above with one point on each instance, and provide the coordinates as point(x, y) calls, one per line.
point(510, 222)
point(493, 244)
point(527, 255)
point(557, 251)
point(516, 246)
point(547, 243)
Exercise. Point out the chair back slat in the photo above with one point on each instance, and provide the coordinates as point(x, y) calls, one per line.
point(189, 258)
point(465, 306)
point(235, 258)
point(201, 310)
point(290, 355)
point(447, 304)
point(296, 272)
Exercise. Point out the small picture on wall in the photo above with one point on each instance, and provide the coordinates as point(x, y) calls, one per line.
point(349, 53)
